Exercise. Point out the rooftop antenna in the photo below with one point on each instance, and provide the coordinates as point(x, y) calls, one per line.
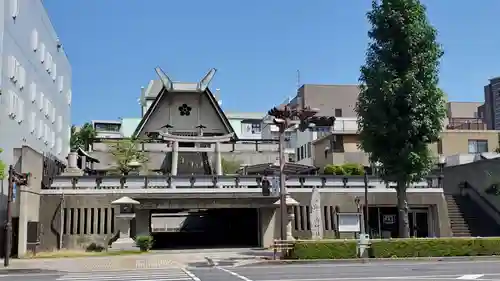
point(299, 102)
point(142, 100)
point(298, 80)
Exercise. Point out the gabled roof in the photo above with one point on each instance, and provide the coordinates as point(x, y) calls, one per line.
point(173, 87)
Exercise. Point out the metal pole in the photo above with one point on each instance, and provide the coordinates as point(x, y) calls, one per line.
point(284, 213)
point(8, 225)
point(61, 227)
point(365, 217)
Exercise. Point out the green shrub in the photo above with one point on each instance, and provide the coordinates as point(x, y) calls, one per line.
point(94, 247)
point(398, 248)
point(331, 249)
point(144, 242)
point(353, 169)
point(333, 170)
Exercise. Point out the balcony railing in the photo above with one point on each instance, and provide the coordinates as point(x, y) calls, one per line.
point(345, 125)
point(201, 184)
point(466, 124)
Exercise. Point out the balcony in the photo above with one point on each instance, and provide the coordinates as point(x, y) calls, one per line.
point(346, 125)
point(466, 124)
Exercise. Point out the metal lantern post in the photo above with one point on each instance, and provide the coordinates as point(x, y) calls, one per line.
point(365, 178)
point(285, 117)
point(441, 164)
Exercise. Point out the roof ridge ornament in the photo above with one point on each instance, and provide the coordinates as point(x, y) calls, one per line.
point(167, 82)
point(203, 84)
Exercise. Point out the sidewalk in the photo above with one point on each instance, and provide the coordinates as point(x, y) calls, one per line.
point(145, 261)
point(154, 260)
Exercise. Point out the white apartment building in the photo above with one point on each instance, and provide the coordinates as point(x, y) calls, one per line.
point(35, 82)
point(302, 141)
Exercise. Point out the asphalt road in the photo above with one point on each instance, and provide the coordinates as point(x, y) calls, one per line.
point(413, 271)
point(172, 274)
point(466, 270)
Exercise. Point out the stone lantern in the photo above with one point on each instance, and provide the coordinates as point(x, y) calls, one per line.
point(125, 215)
point(290, 203)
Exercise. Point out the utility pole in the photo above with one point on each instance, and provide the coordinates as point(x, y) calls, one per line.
point(18, 179)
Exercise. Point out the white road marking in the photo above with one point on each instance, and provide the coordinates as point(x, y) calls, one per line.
point(470, 276)
point(234, 274)
point(191, 275)
point(135, 275)
point(425, 277)
point(368, 264)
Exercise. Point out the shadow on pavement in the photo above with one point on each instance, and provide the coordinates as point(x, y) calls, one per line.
point(29, 271)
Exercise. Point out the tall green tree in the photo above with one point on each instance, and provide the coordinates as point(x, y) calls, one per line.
point(400, 108)
point(2, 167)
point(82, 137)
point(124, 151)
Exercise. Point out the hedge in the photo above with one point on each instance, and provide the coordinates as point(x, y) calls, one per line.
point(397, 248)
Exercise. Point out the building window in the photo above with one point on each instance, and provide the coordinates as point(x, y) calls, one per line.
point(309, 152)
point(478, 146)
point(256, 128)
point(107, 127)
point(338, 112)
point(337, 143)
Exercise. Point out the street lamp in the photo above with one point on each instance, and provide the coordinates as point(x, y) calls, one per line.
point(366, 217)
point(357, 201)
point(441, 164)
point(285, 117)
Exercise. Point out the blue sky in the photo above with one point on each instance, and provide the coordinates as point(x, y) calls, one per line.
point(257, 47)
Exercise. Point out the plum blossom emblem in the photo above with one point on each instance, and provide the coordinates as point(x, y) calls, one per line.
point(185, 110)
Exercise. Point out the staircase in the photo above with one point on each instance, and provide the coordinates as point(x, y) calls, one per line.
point(193, 163)
point(468, 219)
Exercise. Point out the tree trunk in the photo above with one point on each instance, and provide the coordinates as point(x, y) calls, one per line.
point(403, 223)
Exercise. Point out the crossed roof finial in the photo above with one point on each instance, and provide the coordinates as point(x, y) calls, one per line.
point(200, 87)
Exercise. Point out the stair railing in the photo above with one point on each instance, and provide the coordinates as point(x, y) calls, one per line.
point(492, 210)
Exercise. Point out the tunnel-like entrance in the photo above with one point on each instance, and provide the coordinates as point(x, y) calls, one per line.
point(205, 228)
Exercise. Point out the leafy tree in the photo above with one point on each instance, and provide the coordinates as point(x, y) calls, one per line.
point(230, 166)
point(82, 137)
point(400, 108)
point(2, 167)
point(124, 151)
point(347, 169)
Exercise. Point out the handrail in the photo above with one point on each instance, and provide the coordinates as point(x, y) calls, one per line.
point(481, 196)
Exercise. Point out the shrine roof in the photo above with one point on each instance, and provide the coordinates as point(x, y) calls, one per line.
point(163, 87)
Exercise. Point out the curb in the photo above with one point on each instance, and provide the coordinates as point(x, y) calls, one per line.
point(377, 260)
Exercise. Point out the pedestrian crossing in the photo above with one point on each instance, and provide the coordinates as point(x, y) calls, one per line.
point(170, 274)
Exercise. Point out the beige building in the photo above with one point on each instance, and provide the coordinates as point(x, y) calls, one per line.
point(465, 116)
point(342, 148)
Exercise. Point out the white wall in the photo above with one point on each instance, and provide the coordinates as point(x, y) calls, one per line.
point(35, 101)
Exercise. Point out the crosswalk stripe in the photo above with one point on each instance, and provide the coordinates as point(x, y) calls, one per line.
point(142, 275)
point(470, 276)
